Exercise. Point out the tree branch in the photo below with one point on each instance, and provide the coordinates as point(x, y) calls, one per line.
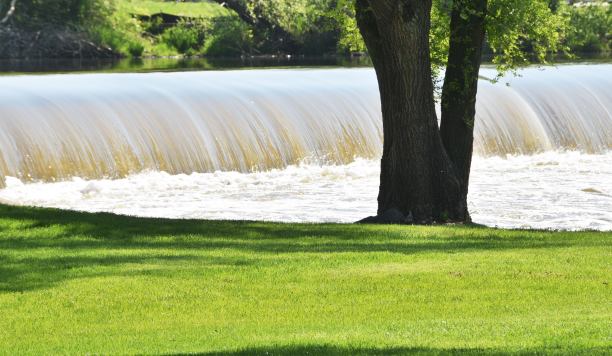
point(10, 12)
point(239, 7)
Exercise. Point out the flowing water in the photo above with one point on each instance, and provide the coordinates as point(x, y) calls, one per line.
point(295, 145)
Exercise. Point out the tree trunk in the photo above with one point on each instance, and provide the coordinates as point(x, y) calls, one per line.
point(460, 85)
point(240, 7)
point(417, 181)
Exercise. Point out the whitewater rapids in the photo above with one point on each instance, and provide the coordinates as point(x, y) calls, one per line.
point(569, 191)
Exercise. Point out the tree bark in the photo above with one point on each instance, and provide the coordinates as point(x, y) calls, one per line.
point(240, 8)
point(417, 182)
point(460, 85)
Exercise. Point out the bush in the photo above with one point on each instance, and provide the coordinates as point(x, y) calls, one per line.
point(136, 49)
point(228, 37)
point(186, 36)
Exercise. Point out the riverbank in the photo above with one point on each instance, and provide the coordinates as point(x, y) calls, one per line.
point(94, 29)
point(50, 42)
point(100, 283)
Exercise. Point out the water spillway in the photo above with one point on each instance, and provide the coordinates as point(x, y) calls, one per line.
point(111, 125)
point(295, 145)
point(55, 127)
point(562, 108)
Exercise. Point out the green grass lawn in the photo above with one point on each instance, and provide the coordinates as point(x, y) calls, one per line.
point(74, 283)
point(190, 9)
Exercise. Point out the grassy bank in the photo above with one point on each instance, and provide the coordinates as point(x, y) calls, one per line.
point(98, 283)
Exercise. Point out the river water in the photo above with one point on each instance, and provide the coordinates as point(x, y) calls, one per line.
point(296, 145)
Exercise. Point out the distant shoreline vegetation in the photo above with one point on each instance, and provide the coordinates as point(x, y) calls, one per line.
point(186, 63)
point(155, 28)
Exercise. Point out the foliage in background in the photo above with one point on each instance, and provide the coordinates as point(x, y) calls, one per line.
point(518, 31)
point(342, 17)
point(222, 36)
point(291, 26)
point(294, 16)
point(521, 31)
point(440, 32)
point(186, 36)
point(589, 29)
point(33, 13)
point(117, 30)
point(228, 36)
point(97, 20)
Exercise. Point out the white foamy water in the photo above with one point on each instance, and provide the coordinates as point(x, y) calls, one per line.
point(551, 190)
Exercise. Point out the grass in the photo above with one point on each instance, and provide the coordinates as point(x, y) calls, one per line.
point(76, 283)
point(206, 9)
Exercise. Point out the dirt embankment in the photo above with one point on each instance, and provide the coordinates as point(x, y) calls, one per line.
point(49, 42)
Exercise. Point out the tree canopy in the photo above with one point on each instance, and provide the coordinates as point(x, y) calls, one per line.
point(517, 31)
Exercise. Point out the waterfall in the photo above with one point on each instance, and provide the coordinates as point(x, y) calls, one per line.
point(54, 127)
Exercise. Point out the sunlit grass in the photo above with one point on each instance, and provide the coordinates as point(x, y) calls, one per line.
point(76, 283)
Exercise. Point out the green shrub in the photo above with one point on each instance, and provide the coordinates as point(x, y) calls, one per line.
point(136, 49)
point(186, 37)
point(224, 36)
point(229, 36)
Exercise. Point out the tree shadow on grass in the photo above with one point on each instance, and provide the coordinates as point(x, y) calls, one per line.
point(22, 274)
point(320, 350)
point(23, 231)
